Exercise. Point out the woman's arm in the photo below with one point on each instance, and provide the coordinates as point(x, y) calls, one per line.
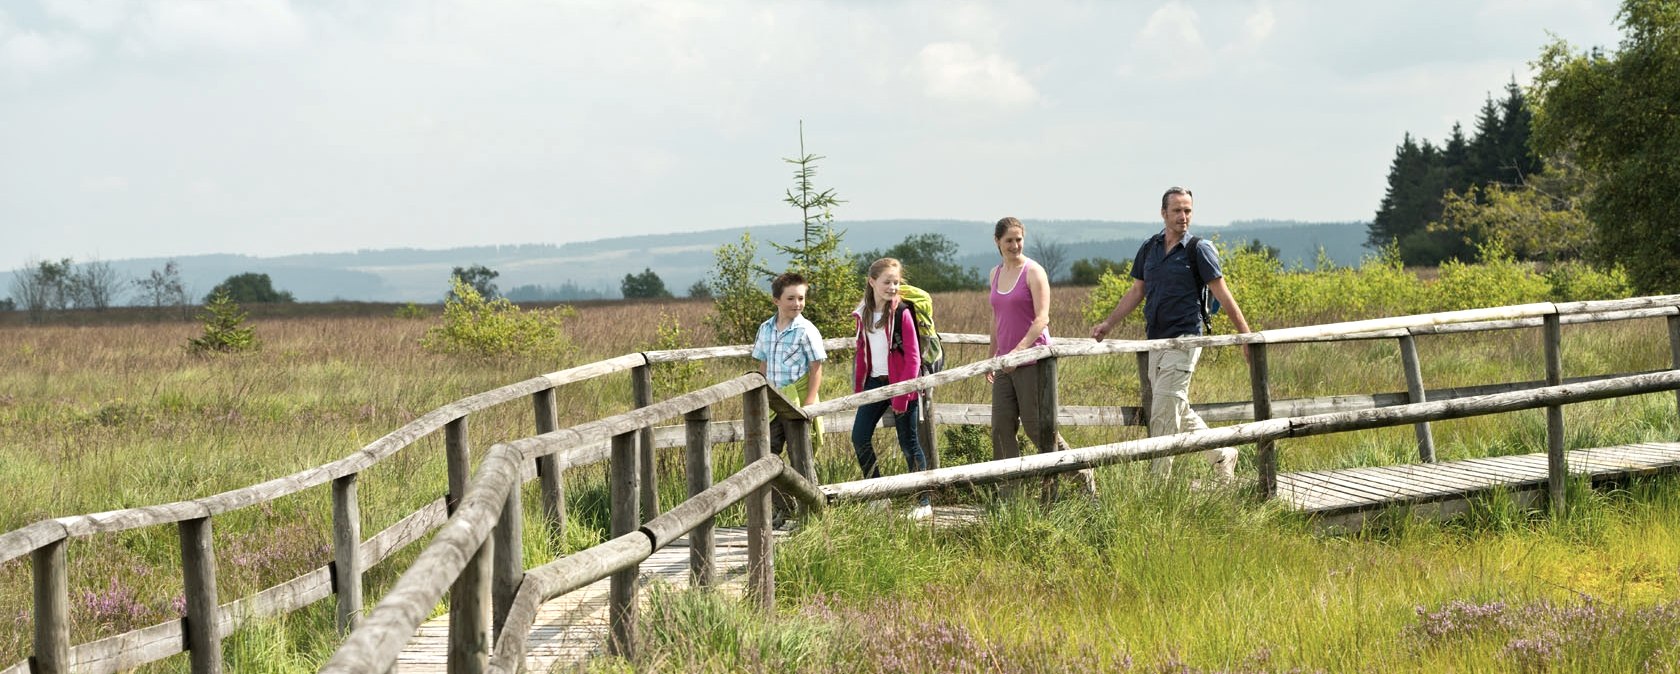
point(1039, 283)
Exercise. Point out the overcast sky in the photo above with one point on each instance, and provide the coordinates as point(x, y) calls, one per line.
point(139, 128)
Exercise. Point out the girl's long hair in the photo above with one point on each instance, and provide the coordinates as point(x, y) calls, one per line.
point(875, 270)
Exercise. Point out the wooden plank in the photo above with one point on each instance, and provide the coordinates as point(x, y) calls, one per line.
point(406, 530)
point(641, 392)
point(198, 570)
point(625, 519)
point(698, 468)
point(1341, 484)
point(20, 542)
point(286, 597)
point(51, 590)
point(347, 548)
point(1312, 495)
point(129, 650)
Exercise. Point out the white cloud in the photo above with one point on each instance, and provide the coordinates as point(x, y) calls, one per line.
point(93, 16)
point(1170, 46)
point(226, 25)
point(957, 72)
point(27, 54)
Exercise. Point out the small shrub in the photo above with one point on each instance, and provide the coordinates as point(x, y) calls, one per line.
point(1579, 282)
point(1498, 280)
point(671, 379)
point(741, 302)
point(474, 326)
point(967, 443)
point(224, 328)
point(411, 311)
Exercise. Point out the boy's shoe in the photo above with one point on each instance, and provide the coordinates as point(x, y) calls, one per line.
point(922, 512)
point(1225, 467)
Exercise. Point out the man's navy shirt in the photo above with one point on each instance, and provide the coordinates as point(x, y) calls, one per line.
point(1169, 291)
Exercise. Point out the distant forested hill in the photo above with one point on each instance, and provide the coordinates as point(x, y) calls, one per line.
point(594, 268)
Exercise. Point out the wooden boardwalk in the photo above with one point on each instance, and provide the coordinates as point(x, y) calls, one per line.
point(572, 628)
point(1344, 497)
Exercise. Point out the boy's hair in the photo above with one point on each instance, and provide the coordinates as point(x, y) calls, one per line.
point(784, 281)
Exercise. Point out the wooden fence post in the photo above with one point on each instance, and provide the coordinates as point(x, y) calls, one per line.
point(551, 481)
point(347, 552)
point(699, 468)
point(761, 577)
point(469, 596)
point(641, 384)
point(1674, 351)
point(198, 564)
point(1146, 391)
point(626, 501)
point(1259, 381)
point(52, 609)
point(1049, 401)
point(928, 435)
point(1415, 394)
point(1557, 468)
point(508, 559)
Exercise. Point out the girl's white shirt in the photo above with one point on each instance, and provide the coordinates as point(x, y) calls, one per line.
point(877, 346)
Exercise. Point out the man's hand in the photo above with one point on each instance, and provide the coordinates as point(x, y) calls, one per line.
point(1100, 331)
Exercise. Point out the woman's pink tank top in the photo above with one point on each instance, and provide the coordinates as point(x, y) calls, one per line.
point(1012, 313)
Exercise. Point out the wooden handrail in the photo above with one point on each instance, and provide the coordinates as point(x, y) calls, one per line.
point(1052, 463)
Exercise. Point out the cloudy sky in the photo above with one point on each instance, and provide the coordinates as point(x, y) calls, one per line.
point(138, 128)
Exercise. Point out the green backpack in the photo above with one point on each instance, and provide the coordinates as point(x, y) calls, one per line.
point(927, 335)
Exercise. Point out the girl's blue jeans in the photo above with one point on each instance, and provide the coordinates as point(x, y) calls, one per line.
point(863, 431)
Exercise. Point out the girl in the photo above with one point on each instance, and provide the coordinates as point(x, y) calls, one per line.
point(887, 353)
point(1020, 299)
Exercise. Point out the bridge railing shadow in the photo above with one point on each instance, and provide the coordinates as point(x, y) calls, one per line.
point(489, 499)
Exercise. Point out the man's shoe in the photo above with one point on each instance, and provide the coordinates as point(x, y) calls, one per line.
point(922, 512)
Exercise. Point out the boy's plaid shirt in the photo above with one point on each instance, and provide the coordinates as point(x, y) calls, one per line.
point(788, 354)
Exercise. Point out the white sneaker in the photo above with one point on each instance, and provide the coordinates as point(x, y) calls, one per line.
point(879, 504)
point(922, 512)
point(1225, 467)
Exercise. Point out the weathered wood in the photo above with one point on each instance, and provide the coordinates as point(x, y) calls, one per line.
point(1417, 394)
point(1568, 319)
point(927, 432)
point(374, 644)
point(1281, 335)
point(1048, 403)
point(406, 530)
point(129, 650)
point(1039, 465)
point(707, 504)
point(641, 388)
point(698, 465)
point(947, 376)
point(20, 542)
point(583, 437)
point(347, 552)
point(1674, 351)
point(1557, 467)
point(625, 519)
point(1146, 389)
point(278, 600)
point(508, 558)
point(551, 482)
point(469, 595)
point(52, 608)
point(761, 580)
point(1259, 380)
point(198, 570)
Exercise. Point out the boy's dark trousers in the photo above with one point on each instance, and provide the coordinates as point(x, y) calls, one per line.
point(781, 503)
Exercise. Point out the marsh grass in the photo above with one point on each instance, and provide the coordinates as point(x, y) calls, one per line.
point(1158, 578)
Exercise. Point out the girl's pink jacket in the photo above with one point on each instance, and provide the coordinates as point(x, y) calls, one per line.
point(901, 366)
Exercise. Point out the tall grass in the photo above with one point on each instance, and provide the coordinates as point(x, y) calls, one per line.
point(96, 418)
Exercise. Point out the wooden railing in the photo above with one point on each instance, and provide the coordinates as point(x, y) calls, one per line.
point(630, 439)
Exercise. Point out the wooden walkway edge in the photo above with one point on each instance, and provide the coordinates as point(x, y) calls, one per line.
point(1344, 498)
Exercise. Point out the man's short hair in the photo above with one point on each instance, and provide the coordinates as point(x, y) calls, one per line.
point(1174, 190)
point(782, 282)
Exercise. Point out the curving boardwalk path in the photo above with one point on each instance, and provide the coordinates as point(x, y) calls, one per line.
point(573, 628)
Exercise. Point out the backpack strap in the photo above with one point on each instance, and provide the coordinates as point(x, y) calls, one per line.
point(1193, 252)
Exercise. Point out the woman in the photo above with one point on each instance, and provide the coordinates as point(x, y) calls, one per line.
point(1020, 299)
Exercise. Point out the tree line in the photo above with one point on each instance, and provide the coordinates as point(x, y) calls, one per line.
point(1579, 166)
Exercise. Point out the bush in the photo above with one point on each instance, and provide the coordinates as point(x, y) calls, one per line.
point(1580, 282)
point(411, 310)
point(1498, 280)
point(741, 304)
point(224, 328)
point(496, 328)
point(675, 378)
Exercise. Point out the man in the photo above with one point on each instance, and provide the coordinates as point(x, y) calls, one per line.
point(1163, 282)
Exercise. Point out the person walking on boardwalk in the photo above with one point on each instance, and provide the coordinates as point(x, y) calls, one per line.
point(1020, 299)
point(887, 353)
point(790, 352)
point(1167, 286)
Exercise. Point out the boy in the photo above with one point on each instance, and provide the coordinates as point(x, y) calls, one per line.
point(790, 353)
